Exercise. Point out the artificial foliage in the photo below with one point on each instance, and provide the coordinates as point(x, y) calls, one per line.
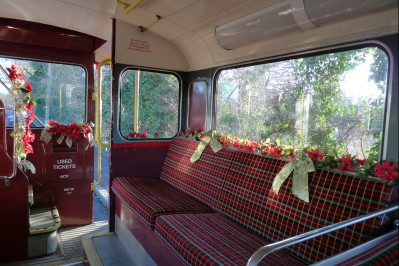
point(68, 132)
point(386, 171)
point(24, 104)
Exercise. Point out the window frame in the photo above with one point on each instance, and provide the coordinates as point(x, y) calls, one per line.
point(119, 95)
point(384, 44)
point(75, 64)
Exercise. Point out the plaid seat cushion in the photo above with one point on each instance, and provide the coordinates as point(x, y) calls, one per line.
point(248, 199)
point(149, 198)
point(247, 189)
point(202, 179)
point(212, 239)
point(384, 254)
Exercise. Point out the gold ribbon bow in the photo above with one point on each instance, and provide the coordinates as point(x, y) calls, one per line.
point(208, 140)
point(301, 165)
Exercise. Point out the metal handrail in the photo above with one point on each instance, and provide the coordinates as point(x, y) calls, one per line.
point(346, 255)
point(100, 143)
point(262, 252)
point(14, 168)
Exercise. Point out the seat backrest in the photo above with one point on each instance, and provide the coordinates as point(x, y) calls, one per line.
point(202, 179)
point(248, 199)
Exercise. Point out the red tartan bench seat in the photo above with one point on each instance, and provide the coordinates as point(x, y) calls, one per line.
point(383, 250)
point(248, 199)
point(151, 198)
point(221, 209)
point(386, 253)
point(183, 187)
point(213, 239)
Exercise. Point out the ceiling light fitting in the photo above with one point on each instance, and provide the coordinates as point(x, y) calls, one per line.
point(292, 16)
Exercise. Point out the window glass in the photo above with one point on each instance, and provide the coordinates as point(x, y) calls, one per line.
point(59, 91)
point(334, 102)
point(149, 104)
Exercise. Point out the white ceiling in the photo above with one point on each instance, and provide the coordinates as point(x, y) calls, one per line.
point(189, 24)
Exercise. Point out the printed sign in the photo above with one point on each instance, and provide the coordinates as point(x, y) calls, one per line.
point(69, 190)
point(139, 45)
point(64, 164)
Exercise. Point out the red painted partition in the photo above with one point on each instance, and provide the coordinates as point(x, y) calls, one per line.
point(139, 159)
point(67, 174)
point(14, 208)
point(63, 178)
point(197, 105)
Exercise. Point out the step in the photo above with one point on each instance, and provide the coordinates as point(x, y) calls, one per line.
point(44, 223)
point(117, 248)
point(105, 248)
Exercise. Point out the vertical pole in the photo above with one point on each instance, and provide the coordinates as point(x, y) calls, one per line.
point(136, 101)
point(48, 96)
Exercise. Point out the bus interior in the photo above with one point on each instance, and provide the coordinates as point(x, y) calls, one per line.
point(199, 132)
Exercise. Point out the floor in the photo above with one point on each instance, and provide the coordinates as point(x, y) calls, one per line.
point(70, 246)
point(70, 251)
point(100, 209)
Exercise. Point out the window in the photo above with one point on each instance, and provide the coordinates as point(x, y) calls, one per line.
point(149, 104)
point(334, 102)
point(59, 90)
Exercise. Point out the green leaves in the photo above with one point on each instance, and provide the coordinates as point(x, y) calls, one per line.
point(302, 99)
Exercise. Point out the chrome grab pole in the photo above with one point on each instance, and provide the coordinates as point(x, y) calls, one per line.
point(14, 168)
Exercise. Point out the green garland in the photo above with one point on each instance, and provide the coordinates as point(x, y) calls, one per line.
point(386, 171)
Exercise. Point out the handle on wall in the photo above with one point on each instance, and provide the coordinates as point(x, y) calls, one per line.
point(98, 126)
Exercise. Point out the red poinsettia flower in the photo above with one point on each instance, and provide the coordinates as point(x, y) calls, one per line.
point(28, 87)
point(225, 141)
point(73, 131)
point(315, 155)
point(249, 146)
point(15, 72)
point(28, 136)
point(30, 119)
point(133, 134)
point(86, 129)
point(360, 161)
point(61, 129)
point(53, 123)
point(142, 135)
point(346, 164)
point(237, 143)
point(29, 107)
point(386, 171)
point(28, 148)
point(275, 152)
point(266, 151)
point(52, 130)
